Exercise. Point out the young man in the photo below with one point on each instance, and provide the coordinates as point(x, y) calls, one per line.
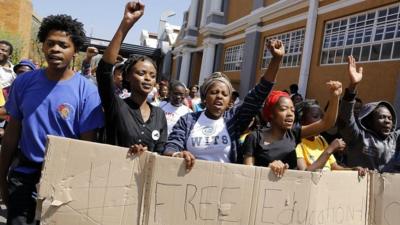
point(50, 101)
point(373, 138)
point(7, 74)
point(24, 66)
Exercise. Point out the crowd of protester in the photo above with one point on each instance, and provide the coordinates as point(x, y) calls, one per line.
point(118, 101)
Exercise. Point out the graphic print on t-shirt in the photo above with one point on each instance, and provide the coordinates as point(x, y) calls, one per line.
point(209, 140)
point(173, 113)
point(65, 111)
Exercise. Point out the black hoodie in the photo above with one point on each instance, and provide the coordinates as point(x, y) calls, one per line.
point(367, 149)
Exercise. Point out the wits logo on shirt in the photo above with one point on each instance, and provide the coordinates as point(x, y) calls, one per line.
point(211, 140)
point(207, 131)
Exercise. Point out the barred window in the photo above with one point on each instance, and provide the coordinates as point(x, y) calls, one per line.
point(293, 41)
point(233, 58)
point(369, 36)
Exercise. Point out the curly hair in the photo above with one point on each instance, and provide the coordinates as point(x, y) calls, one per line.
point(8, 44)
point(63, 22)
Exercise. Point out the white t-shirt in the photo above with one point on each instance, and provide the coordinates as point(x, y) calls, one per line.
point(173, 113)
point(7, 76)
point(209, 140)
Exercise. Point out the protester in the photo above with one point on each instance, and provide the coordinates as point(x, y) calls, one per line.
point(50, 101)
point(24, 66)
point(87, 68)
point(314, 153)
point(174, 109)
point(7, 75)
point(119, 81)
point(275, 146)
point(296, 98)
point(294, 89)
point(213, 134)
point(160, 95)
point(163, 91)
point(373, 133)
point(193, 99)
point(131, 122)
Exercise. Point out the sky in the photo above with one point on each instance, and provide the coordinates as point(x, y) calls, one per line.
point(101, 17)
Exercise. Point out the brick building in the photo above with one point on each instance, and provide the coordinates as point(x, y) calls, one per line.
point(16, 18)
point(230, 36)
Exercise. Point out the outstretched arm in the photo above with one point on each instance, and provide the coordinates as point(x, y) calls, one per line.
point(336, 145)
point(104, 76)
point(350, 129)
point(133, 11)
point(254, 99)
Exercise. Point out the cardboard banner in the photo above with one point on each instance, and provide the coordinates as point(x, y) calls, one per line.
point(384, 199)
point(215, 193)
point(311, 198)
point(85, 183)
point(211, 193)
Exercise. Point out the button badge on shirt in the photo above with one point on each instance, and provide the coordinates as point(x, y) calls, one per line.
point(155, 135)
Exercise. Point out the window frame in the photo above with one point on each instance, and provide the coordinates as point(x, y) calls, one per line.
point(365, 34)
point(233, 58)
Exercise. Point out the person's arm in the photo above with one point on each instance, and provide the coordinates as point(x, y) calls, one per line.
point(336, 145)
point(175, 146)
point(350, 129)
point(90, 52)
point(254, 100)
point(104, 76)
point(330, 116)
point(133, 11)
point(9, 147)
point(249, 147)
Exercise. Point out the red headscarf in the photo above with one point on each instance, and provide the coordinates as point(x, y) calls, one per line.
point(270, 102)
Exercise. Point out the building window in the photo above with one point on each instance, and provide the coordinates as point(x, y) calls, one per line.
point(293, 41)
point(233, 58)
point(369, 36)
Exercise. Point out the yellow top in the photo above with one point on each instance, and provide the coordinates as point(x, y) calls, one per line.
point(310, 151)
point(2, 99)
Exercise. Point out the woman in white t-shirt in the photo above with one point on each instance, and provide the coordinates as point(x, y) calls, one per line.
point(213, 134)
point(175, 108)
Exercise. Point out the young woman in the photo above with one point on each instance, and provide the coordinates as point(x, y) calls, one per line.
point(131, 122)
point(193, 99)
point(175, 109)
point(213, 134)
point(275, 147)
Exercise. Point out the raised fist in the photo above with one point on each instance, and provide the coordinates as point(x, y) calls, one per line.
point(133, 11)
point(335, 87)
point(276, 48)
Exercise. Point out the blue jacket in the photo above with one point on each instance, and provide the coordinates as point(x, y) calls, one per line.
point(237, 120)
